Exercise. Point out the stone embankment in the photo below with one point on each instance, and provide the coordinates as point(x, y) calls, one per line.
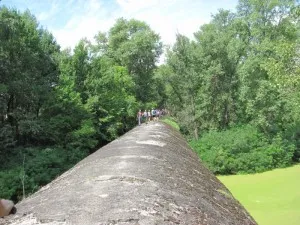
point(148, 176)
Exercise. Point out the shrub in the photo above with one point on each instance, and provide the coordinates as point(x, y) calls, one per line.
point(242, 150)
point(171, 121)
point(41, 166)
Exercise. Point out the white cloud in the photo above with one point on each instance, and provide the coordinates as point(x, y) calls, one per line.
point(86, 24)
point(131, 6)
point(166, 17)
point(49, 13)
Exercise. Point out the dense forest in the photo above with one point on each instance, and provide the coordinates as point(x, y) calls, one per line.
point(234, 90)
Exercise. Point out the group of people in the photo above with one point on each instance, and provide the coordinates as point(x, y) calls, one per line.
point(150, 115)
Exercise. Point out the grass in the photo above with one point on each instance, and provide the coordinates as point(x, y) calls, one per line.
point(171, 121)
point(272, 198)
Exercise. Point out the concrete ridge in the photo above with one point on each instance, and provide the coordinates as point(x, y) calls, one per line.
point(148, 176)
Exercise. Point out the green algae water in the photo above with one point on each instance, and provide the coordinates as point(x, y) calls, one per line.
point(272, 198)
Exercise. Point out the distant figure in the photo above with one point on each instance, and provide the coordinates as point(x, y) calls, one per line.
point(145, 115)
point(149, 115)
point(158, 114)
point(139, 116)
point(6, 207)
point(153, 113)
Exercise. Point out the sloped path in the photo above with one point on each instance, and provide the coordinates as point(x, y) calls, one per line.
point(148, 176)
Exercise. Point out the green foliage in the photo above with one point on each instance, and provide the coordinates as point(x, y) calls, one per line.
point(242, 149)
point(59, 106)
point(117, 102)
point(134, 45)
point(83, 137)
point(6, 138)
point(56, 106)
point(40, 167)
point(10, 185)
point(172, 122)
point(242, 68)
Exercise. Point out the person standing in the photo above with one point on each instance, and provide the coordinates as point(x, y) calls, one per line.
point(145, 115)
point(158, 114)
point(139, 116)
point(153, 114)
point(149, 115)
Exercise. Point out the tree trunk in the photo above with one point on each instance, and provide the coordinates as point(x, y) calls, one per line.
point(196, 133)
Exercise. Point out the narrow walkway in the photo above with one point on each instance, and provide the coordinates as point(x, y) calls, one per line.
point(147, 176)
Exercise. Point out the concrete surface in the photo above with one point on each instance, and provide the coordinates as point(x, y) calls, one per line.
point(148, 176)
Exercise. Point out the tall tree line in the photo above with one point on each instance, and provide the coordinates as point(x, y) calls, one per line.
point(56, 107)
point(234, 89)
point(241, 69)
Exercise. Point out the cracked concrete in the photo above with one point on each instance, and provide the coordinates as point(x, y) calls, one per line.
point(148, 176)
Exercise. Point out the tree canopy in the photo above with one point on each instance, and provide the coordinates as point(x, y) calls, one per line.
point(57, 106)
point(241, 69)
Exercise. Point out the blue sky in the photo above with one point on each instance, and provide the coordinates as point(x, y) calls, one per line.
point(71, 20)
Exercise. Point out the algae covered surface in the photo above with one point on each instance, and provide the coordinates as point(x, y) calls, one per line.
point(272, 198)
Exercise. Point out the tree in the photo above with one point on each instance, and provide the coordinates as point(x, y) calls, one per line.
point(221, 53)
point(111, 97)
point(185, 80)
point(134, 45)
point(268, 68)
point(81, 68)
point(204, 75)
point(28, 71)
point(243, 68)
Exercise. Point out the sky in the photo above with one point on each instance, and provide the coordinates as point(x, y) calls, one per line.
point(71, 20)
